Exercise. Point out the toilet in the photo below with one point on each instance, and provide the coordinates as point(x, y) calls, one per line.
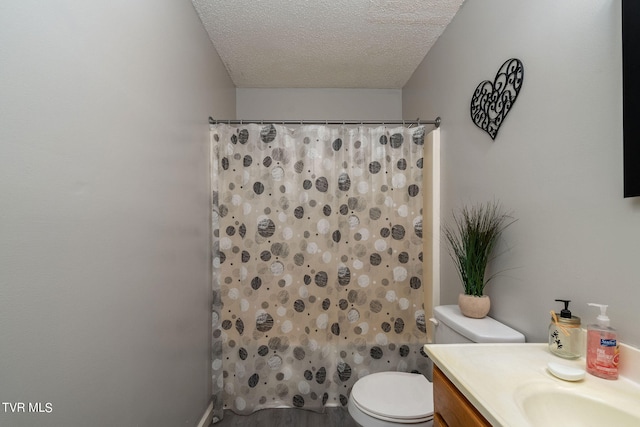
point(408, 398)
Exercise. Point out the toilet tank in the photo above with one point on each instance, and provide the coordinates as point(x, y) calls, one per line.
point(451, 326)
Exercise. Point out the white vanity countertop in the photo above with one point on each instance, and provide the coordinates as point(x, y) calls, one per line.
point(491, 375)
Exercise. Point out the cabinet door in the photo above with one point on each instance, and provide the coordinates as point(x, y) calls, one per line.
point(451, 406)
point(438, 421)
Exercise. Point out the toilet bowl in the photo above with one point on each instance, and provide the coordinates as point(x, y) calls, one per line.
point(395, 399)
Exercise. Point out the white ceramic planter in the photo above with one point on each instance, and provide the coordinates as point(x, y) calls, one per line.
point(474, 306)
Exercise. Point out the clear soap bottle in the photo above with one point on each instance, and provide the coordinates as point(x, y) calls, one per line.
point(564, 333)
point(603, 352)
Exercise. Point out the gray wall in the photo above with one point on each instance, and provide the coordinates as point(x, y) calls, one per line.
point(556, 162)
point(319, 104)
point(104, 261)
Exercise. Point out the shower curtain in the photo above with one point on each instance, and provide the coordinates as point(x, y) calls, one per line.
point(317, 262)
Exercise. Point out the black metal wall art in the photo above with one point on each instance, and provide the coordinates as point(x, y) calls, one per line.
point(492, 101)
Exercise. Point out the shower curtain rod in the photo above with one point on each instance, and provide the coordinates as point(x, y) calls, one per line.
point(417, 122)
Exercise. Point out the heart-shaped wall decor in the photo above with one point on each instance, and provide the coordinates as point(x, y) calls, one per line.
point(492, 101)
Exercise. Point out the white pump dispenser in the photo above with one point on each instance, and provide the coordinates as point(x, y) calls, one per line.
point(603, 352)
point(602, 319)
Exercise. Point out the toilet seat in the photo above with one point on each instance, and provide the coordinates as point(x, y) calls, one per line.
point(397, 397)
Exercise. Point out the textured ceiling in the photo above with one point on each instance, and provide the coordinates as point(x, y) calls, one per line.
point(324, 43)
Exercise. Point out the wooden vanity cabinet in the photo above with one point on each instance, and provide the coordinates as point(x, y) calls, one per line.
point(451, 408)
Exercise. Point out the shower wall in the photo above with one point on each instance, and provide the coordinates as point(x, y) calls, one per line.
point(319, 104)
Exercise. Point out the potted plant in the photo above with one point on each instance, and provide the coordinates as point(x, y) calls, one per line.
point(471, 240)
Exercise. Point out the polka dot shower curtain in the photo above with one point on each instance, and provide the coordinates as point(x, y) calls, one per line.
point(317, 262)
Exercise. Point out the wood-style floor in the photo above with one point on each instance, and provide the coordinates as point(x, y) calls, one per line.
point(289, 417)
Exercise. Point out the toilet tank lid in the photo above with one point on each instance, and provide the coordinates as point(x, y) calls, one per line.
point(485, 330)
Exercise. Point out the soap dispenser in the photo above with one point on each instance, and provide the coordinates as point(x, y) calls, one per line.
point(603, 352)
point(564, 333)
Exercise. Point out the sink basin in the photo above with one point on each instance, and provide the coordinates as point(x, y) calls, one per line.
point(545, 405)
